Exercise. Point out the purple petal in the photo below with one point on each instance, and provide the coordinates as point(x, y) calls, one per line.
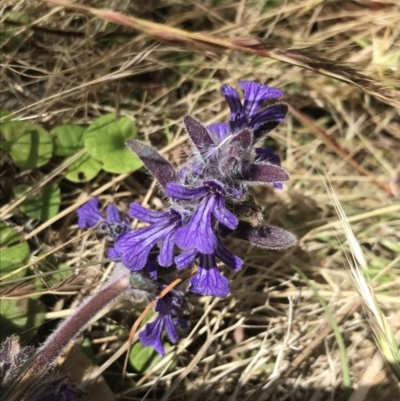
point(186, 258)
point(166, 257)
point(255, 95)
point(198, 134)
point(227, 257)
point(157, 164)
point(180, 192)
point(89, 215)
point(112, 253)
point(276, 112)
point(208, 280)
point(147, 215)
point(164, 307)
point(198, 232)
point(135, 246)
point(113, 215)
point(232, 98)
point(221, 130)
point(269, 237)
point(223, 215)
point(150, 336)
point(170, 329)
point(266, 174)
point(267, 155)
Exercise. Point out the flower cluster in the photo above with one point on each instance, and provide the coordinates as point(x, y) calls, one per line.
point(206, 197)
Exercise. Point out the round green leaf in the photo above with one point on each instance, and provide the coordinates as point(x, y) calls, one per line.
point(105, 141)
point(68, 139)
point(21, 317)
point(42, 206)
point(14, 256)
point(29, 145)
point(83, 170)
point(141, 357)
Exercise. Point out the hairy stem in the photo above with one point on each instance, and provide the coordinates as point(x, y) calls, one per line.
point(70, 328)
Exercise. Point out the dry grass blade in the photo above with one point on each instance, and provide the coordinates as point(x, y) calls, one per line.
point(208, 42)
point(358, 271)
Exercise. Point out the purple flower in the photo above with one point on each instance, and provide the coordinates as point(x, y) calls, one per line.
point(198, 233)
point(205, 196)
point(151, 335)
point(89, 216)
point(208, 280)
point(134, 247)
point(249, 114)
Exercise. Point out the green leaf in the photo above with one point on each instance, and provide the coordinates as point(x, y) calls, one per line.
point(8, 236)
point(83, 170)
point(141, 357)
point(42, 206)
point(14, 256)
point(29, 145)
point(63, 272)
point(68, 139)
point(21, 317)
point(105, 141)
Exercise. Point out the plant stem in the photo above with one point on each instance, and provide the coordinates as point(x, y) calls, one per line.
point(46, 356)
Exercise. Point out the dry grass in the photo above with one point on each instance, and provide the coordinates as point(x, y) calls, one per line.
point(338, 63)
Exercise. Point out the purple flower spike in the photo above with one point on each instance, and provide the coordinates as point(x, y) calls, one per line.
point(151, 335)
point(205, 196)
point(208, 280)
